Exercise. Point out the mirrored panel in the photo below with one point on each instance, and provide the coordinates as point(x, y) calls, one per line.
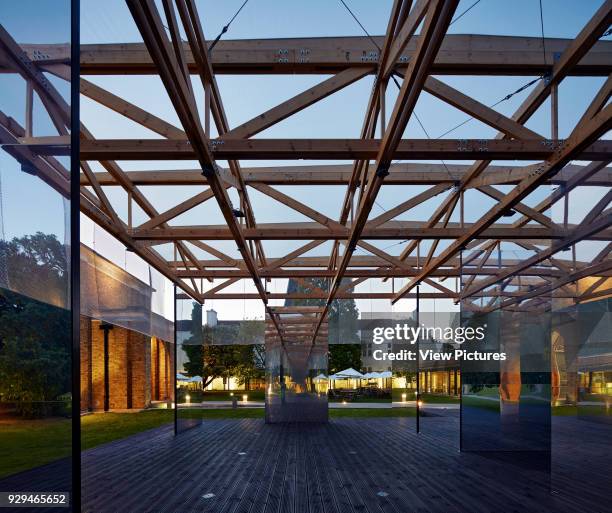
point(194, 359)
point(35, 251)
point(582, 392)
point(296, 365)
point(506, 380)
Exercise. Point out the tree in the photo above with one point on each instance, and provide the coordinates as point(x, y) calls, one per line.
point(206, 358)
point(35, 332)
point(343, 356)
point(192, 346)
point(251, 335)
point(224, 350)
point(35, 355)
point(343, 315)
point(36, 266)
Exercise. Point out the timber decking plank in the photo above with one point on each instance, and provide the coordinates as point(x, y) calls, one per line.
point(333, 468)
point(257, 450)
point(259, 502)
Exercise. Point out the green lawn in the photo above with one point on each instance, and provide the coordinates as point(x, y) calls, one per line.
point(197, 396)
point(398, 392)
point(571, 411)
point(100, 428)
point(364, 400)
point(474, 401)
point(242, 413)
point(26, 444)
point(259, 395)
point(438, 399)
point(426, 398)
point(410, 396)
point(336, 413)
point(222, 413)
point(106, 427)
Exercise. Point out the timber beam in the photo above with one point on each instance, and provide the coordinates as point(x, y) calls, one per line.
point(333, 149)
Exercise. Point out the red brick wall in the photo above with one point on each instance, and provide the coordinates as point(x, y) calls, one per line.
point(163, 371)
point(130, 368)
point(97, 366)
point(162, 365)
point(139, 362)
point(155, 386)
point(117, 367)
point(85, 327)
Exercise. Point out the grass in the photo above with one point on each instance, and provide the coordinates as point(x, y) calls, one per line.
point(222, 413)
point(101, 428)
point(336, 413)
point(565, 411)
point(259, 395)
point(242, 413)
point(410, 396)
point(438, 399)
point(364, 400)
point(224, 395)
point(254, 413)
point(426, 398)
point(588, 411)
point(25, 444)
point(473, 401)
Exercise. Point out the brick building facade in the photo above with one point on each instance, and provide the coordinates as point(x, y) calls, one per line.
point(139, 368)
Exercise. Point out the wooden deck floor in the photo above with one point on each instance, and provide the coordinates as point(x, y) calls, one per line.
point(348, 465)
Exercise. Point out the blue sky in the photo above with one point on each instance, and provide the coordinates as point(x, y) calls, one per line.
point(31, 21)
point(244, 97)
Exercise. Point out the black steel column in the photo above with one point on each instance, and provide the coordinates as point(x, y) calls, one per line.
point(460, 360)
point(128, 373)
point(75, 251)
point(175, 402)
point(106, 328)
point(418, 355)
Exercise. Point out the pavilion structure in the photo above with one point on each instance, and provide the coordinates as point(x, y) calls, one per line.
point(414, 51)
point(494, 230)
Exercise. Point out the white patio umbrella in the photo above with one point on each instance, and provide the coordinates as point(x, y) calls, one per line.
point(349, 373)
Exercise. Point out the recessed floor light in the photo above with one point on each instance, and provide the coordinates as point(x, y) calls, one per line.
point(208, 496)
point(241, 453)
point(382, 494)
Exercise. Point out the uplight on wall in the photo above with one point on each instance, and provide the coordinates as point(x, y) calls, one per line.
point(245, 398)
point(404, 397)
point(188, 398)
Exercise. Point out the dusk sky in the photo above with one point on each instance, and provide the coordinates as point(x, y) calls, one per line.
point(340, 115)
